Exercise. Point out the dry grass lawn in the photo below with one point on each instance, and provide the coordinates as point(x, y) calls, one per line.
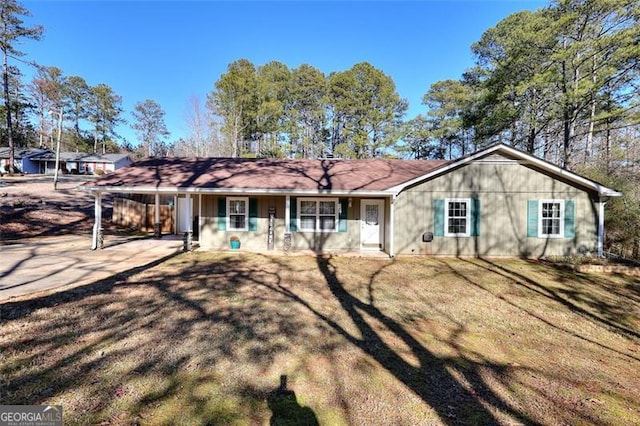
point(206, 338)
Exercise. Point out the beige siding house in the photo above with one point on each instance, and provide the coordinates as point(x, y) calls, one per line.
point(496, 202)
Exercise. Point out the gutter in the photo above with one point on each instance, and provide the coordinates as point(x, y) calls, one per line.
point(244, 191)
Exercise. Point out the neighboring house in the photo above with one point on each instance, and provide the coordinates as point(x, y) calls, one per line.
point(81, 162)
point(22, 159)
point(496, 202)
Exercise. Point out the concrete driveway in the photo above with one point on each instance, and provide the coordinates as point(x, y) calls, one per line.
point(33, 266)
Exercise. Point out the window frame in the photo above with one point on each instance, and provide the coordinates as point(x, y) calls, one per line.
point(317, 215)
point(467, 232)
point(246, 214)
point(541, 234)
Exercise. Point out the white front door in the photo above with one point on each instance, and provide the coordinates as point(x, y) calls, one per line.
point(372, 224)
point(185, 206)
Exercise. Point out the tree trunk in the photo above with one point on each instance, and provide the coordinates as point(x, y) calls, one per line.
point(5, 81)
point(566, 146)
point(608, 146)
point(592, 113)
point(16, 111)
point(531, 147)
point(567, 121)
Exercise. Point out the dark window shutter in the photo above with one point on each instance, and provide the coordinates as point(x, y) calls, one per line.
point(253, 214)
point(222, 214)
point(532, 218)
point(293, 214)
point(438, 218)
point(475, 217)
point(344, 213)
point(569, 219)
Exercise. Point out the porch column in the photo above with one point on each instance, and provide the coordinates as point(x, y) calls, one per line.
point(188, 216)
point(175, 214)
point(199, 216)
point(392, 215)
point(97, 241)
point(157, 226)
point(601, 204)
point(287, 224)
point(287, 214)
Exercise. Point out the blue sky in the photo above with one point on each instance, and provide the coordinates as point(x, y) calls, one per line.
point(169, 51)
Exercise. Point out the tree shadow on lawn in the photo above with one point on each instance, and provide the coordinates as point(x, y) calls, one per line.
point(193, 316)
point(595, 300)
point(181, 338)
point(431, 380)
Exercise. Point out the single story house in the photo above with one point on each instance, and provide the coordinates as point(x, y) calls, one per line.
point(496, 202)
point(23, 159)
point(81, 162)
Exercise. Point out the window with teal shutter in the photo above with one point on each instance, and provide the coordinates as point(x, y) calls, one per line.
point(253, 214)
point(532, 218)
point(293, 214)
point(438, 218)
point(222, 214)
point(569, 219)
point(342, 218)
point(475, 217)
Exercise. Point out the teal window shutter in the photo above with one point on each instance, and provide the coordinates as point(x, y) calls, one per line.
point(344, 212)
point(438, 218)
point(569, 219)
point(475, 217)
point(293, 214)
point(222, 214)
point(253, 214)
point(532, 218)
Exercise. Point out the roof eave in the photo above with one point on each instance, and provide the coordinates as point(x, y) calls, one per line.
point(245, 191)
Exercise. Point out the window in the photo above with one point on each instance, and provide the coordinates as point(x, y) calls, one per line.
point(457, 217)
point(237, 213)
point(318, 214)
point(551, 217)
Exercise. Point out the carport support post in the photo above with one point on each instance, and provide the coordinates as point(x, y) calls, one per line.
point(97, 241)
point(392, 231)
point(157, 226)
point(188, 235)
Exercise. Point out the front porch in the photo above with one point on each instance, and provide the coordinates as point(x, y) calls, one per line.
point(265, 223)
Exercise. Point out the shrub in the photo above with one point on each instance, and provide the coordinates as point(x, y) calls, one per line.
point(98, 172)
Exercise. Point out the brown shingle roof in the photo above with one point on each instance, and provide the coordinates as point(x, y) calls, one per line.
point(267, 174)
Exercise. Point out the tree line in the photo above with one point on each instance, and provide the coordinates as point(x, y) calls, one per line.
point(560, 82)
point(86, 116)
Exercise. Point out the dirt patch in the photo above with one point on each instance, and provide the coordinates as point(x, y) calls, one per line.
point(30, 207)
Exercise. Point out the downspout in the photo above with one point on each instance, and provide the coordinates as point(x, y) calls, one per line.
point(392, 215)
point(601, 204)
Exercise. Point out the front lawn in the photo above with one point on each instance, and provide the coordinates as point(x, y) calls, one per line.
point(209, 338)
